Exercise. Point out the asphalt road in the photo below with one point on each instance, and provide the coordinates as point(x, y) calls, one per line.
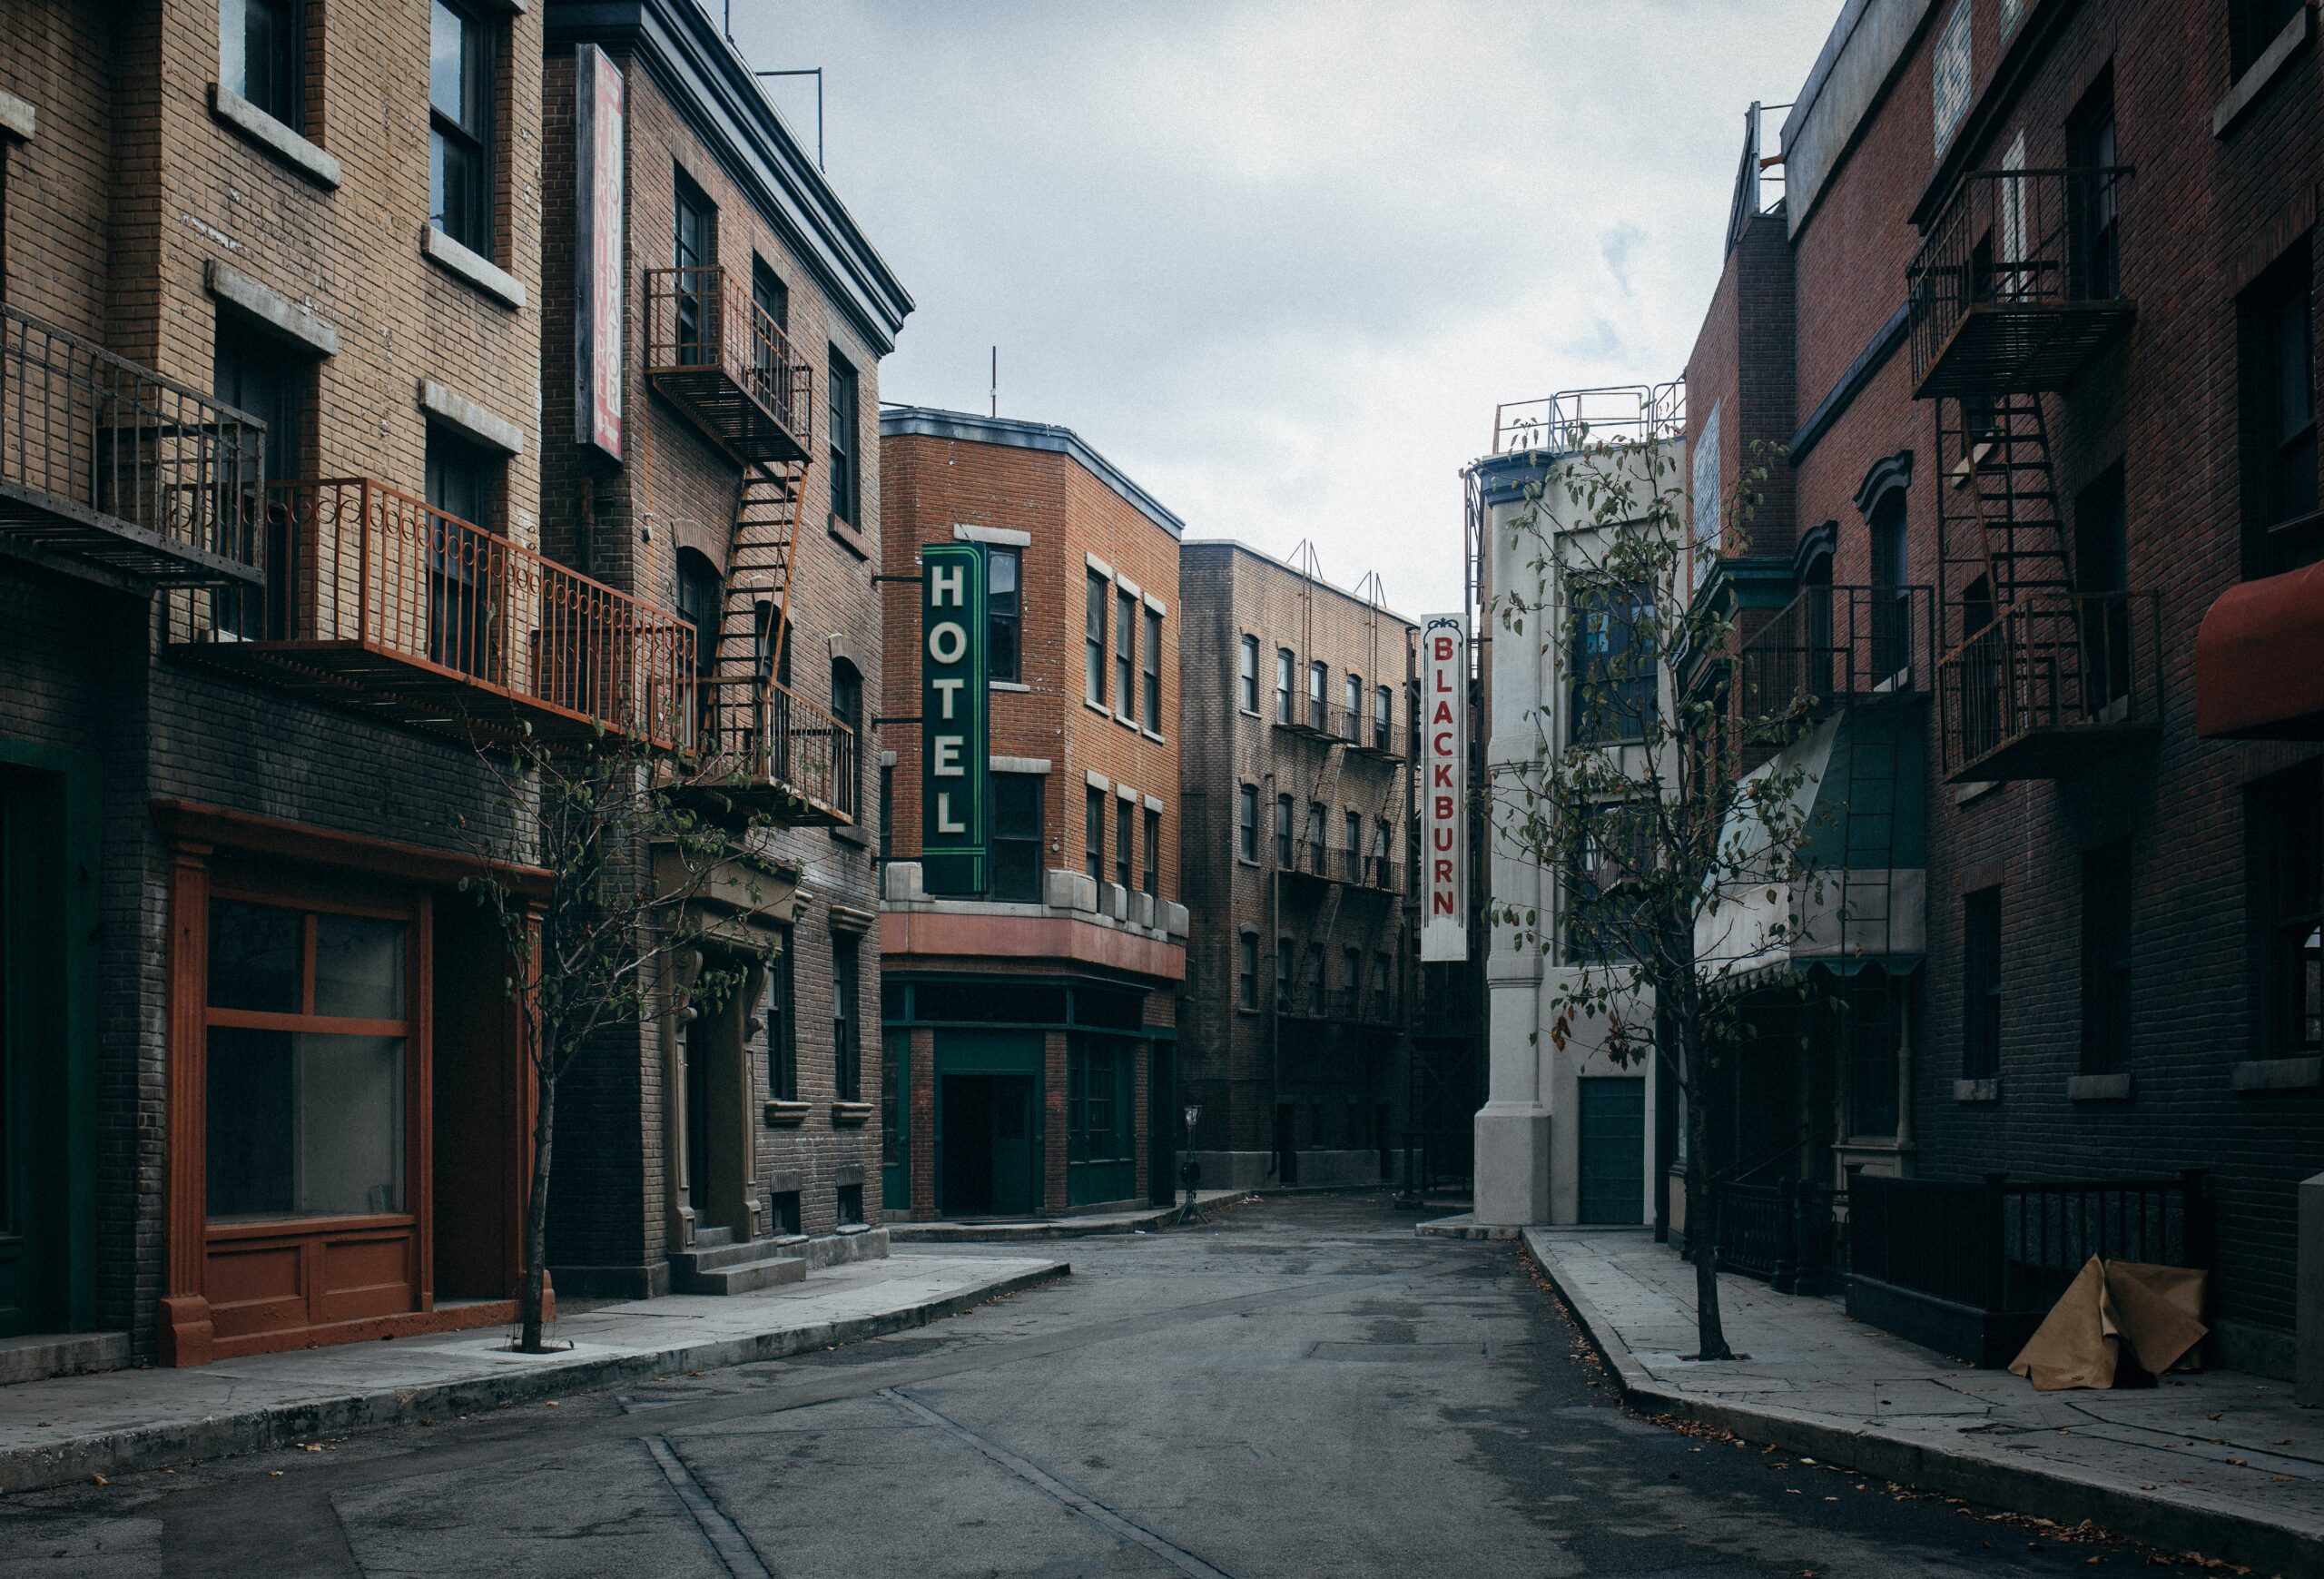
point(1303, 1389)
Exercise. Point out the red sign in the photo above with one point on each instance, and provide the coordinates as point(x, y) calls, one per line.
point(1444, 799)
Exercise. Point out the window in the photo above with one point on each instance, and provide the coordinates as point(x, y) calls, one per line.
point(2102, 567)
point(887, 811)
point(1317, 673)
point(846, 481)
point(1126, 656)
point(255, 373)
point(1124, 822)
point(1016, 840)
point(1351, 981)
point(1246, 822)
point(261, 56)
point(2252, 25)
point(693, 249)
point(1004, 615)
point(2106, 930)
point(305, 1080)
point(1093, 817)
point(1354, 852)
point(1153, 702)
point(1352, 703)
point(1384, 718)
point(847, 1060)
point(1098, 1093)
point(2096, 233)
point(781, 1026)
point(1382, 877)
point(2277, 337)
point(1283, 972)
point(1602, 906)
point(1613, 668)
point(1892, 603)
point(1246, 971)
point(1247, 692)
point(1153, 885)
point(770, 318)
point(1093, 637)
point(847, 706)
point(1870, 1021)
point(1283, 830)
point(770, 295)
point(1981, 985)
point(1283, 685)
point(701, 591)
point(2285, 818)
point(1316, 838)
point(463, 479)
point(847, 1204)
point(1316, 980)
point(784, 1205)
point(1950, 75)
point(1383, 995)
point(459, 118)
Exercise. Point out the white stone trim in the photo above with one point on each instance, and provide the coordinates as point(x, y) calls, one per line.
point(1006, 685)
point(273, 136)
point(1005, 536)
point(1126, 792)
point(269, 307)
point(1097, 781)
point(1099, 566)
point(1019, 765)
point(1156, 605)
point(458, 411)
point(473, 267)
point(17, 117)
point(1154, 804)
point(887, 759)
point(1123, 584)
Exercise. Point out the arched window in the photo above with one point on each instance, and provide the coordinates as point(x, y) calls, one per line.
point(700, 594)
point(847, 706)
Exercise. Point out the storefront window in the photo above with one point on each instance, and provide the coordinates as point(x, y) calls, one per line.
point(306, 1040)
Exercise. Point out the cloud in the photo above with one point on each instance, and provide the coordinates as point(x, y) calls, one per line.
point(1280, 260)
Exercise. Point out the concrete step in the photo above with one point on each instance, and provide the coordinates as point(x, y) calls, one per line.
point(743, 1277)
point(712, 1239)
point(705, 1258)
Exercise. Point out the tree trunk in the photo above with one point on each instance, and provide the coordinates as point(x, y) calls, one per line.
point(531, 1292)
point(1702, 1217)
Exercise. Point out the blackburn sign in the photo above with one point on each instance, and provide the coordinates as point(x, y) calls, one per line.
point(954, 719)
point(1444, 764)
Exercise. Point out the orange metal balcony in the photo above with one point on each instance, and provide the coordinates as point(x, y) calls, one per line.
point(2018, 283)
point(388, 606)
point(717, 355)
point(2053, 683)
point(764, 749)
point(111, 463)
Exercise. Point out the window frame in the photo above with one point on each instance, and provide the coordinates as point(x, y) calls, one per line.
point(843, 417)
point(1098, 595)
point(1151, 660)
point(1285, 825)
point(783, 1023)
point(2281, 494)
point(1319, 675)
point(284, 100)
point(2109, 943)
point(1093, 832)
point(477, 228)
point(1284, 664)
point(1247, 822)
point(1125, 833)
point(1247, 679)
point(1005, 621)
point(847, 1016)
point(1247, 972)
point(1151, 872)
point(1002, 835)
point(1609, 721)
point(1124, 655)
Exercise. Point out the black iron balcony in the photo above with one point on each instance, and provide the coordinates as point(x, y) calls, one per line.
point(720, 357)
point(2018, 283)
point(114, 465)
point(1838, 646)
point(2053, 683)
point(387, 605)
point(764, 749)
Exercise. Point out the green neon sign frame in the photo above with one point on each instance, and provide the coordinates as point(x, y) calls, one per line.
point(955, 720)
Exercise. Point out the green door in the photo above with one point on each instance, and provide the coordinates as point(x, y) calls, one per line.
point(1012, 1145)
point(987, 1122)
point(1613, 1150)
point(38, 1058)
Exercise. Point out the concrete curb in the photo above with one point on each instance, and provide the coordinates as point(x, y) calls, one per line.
point(270, 1426)
point(2044, 1490)
point(1064, 1227)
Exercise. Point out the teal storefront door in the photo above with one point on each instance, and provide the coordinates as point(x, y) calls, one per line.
point(1613, 1150)
point(987, 1122)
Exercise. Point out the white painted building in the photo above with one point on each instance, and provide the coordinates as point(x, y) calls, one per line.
point(1567, 1133)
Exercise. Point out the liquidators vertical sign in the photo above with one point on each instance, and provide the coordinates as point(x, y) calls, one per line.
point(598, 111)
point(954, 718)
point(1444, 800)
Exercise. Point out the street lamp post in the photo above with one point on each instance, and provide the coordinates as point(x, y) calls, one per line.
point(1189, 1169)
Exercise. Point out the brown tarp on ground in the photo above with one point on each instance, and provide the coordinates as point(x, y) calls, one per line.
point(2155, 1311)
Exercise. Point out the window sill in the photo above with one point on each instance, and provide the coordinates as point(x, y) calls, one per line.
point(2098, 1088)
point(1150, 735)
point(472, 268)
point(273, 136)
point(2260, 73)
point(1128, 723)
point(1007, 685)
point(1098, 707)
point(852, 836)
point(2280, 1074)
point(851, 1115)
point(1963, 793)
point(787, 1115)
point(846, 536)
point(1248, 712)
point(1977, 1090)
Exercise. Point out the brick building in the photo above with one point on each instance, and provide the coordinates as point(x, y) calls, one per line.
point(2033, 314)
point(1031, 1026)
point(1295, 698)
point(258, 1092)
point(701, 269)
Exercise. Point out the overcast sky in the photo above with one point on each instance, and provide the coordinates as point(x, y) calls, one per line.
point(1278, 261)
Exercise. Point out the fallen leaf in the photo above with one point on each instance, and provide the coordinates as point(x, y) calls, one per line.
point(100, 1479)
point(275, 1472)
point(552, 1403)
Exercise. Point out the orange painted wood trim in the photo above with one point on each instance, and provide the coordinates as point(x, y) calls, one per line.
point(186, 1337)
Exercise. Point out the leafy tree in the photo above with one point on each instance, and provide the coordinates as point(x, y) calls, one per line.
point(1636, 803)
point(629, 878)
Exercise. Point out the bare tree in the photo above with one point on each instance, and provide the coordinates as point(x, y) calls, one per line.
point(607, 929)
point(1659, 843)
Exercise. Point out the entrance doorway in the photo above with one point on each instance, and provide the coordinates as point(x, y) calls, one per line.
point(1613, 1150)
point(715, 1045)
point(986, 1121)
point(35, 1167)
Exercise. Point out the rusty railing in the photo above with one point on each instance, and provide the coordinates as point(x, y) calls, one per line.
point(373, 567)
point(759, 733)
point(95, 435)
point(704, 321)
point(2050, 662)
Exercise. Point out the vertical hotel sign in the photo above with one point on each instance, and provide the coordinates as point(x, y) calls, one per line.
point(1443, 766)
point(597, 115)
point(954, 734)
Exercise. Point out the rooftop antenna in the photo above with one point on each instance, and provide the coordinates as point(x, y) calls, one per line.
point(996, 382)
point(816, 71)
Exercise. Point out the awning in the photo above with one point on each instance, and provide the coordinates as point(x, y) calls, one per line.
point(1863, 900)
point(2259, 660)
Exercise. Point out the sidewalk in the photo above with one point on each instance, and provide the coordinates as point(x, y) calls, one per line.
point(73, 1427)
point(979, 1231)
point(2217, 1462)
